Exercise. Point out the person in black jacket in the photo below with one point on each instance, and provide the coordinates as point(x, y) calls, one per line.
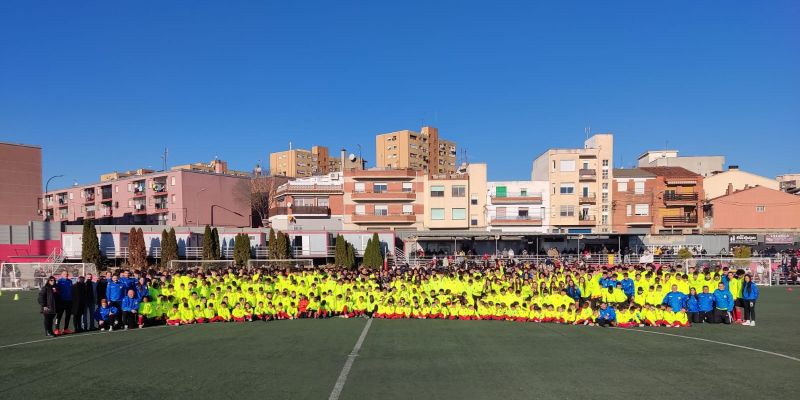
point(47, 299)
point(78, 303)
point(90, 293)
point(102, 284)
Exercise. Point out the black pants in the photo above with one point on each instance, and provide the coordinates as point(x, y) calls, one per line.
point(48, 323)
point(707, 316)
point(118, 316)
point(77, 318)
point(722, 316)
point(105, 324)
point(63, 309)
point(130, 319)
point(605, 322)
point(695, 317)
point(749, 310)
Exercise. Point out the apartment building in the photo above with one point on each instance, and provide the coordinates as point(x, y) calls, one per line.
point(422, 151)
point(719, 183)
point(175, 198)
point(789, 183)
point(755, 209)
point(703, 165)
point(315, 203)
point(215, 166)
point(456, 201)
point(20, 183)
point(634, 206)
point(301, 163)
point(518, 206)
point(383, 199)
point(580, 179)
point(677, 200)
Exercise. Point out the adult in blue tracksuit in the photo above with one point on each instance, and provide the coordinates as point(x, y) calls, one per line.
point(130, 309)
point(723, 304)
point(607, 317)
point(63, 302)
point(115, 293)
point(749, 297)
point(106, 315)
point(628, 286)
point(692, 307)
point(705, 302)
point(674, 299)
point(141, 289)
point(574, 292)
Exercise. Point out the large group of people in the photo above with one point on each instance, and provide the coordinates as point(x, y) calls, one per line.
point(624, 295)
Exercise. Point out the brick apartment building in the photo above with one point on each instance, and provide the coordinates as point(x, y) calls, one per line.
point(20, 183)
point(383, 199)
point(423, 151)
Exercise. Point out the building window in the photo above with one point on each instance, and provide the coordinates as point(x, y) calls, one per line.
point(459, 214)
point(173, 181)
point(473, 199)
point(323, 202)
point(567, 165)
point(381, 210)
point(605, 186)
point(605, 208)
point(760, 209)
point(359, 188)
point(605, 174)
point(408, 187)
point(629, 210)
point(604, 196)
point(174, 217)
point(638, 187)
point(642, 210)
point(567, 188)
point(380, 188)
point(408, 209)
point(604, 219)
point(459, 191)
point(361, 209)
point(130, 187)
point(567, 211)
point(622, 186)
point(173, 199)
point(437, 214)
point(522, 212)
point(437, 191)
point(605, 163)
point(473, 220)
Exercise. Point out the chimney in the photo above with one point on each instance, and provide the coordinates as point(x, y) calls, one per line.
point(730, 189)
point(733, 167)
point(344, 159)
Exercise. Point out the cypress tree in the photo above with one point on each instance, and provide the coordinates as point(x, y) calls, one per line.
point(208, 244)
point(340, 252)
point(164, 262)
point(288, 247)
point(272, 244)
point(90, 252)
point(215, 244)
point(169, 247)
point(137, 253)
point(280, 246)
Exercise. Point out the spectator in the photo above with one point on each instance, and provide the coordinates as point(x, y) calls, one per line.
point(90, 296)
point(48, 296)
point(63, 303)
point(749, 296)
point(78, 303)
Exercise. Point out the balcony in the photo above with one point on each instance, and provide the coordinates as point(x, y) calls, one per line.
point(587, 174)
point(105, 212)
point(385, 219)
point(517, 220)
point(89, 199)
point(383, 196)
point(316, 211)
point(518, 198)
point(90, 214)
point(139, 209)
point(161, 206)
point(587, 220)
point(680, 220)
point(680, 197)
point(385, 173)
point(587, 198)
point(293, 189)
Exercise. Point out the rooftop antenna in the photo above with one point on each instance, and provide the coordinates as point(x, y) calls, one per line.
point(164, 157)
point(587, 130)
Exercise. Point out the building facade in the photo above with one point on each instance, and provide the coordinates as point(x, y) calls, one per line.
point(789, 183)
point(175, 198)
point(703, 165)
point(315, 203)
point(718, 184)
point(301, 163)
point(755, 209)
point(677, 200)
point(20, 183)
point(634, 206)
point(518, 206)
point(456, 201)
point(580, 179)
point(422, 151)
point(383, 199)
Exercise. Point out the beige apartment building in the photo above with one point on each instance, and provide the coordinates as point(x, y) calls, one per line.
point(580, 180)
point(456, 201)
point(421, 151)
point(383, 199)
point(733, 179)
point(301, 163)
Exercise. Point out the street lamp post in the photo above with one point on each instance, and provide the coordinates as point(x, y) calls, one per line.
point(46, 189)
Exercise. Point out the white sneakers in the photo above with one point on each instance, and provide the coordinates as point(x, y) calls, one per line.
point(749, 323)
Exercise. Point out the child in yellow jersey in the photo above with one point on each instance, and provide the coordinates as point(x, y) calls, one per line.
point(585, 315)
point(260, 311)
point(198, 315)
point(549, 314)
point(145, 312)
point(238, 313)
point(174, 316)
point(223, 312)
point(187, 314)
point(209, 314)
point(571, 316)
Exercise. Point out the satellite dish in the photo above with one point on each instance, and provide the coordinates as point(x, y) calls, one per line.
point(352, 157)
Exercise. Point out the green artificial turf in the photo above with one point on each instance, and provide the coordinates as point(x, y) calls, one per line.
point(403, 359)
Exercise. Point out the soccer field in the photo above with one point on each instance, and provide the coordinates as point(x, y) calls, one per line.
point(404, 359)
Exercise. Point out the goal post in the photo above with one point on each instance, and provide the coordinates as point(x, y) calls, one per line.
point(202, 265)
point(299, 263)
point(20, 276)
point(761, 269)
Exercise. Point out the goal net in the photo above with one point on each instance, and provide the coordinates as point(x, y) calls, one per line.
point(34, 275)
point(282, 264)
point(761, 269)
point(200, 265)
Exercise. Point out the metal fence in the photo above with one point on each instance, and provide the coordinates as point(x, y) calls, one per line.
point(34, 275)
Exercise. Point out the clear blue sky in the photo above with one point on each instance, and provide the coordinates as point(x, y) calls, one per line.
point(107, 85)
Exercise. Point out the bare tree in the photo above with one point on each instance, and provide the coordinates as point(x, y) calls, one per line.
point(262, 194)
